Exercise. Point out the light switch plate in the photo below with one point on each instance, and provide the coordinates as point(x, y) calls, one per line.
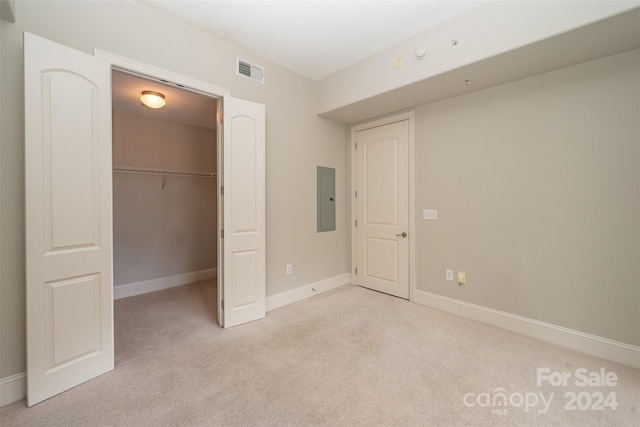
point(430, 214)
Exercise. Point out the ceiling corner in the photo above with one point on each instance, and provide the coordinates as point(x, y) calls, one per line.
point(8, 10)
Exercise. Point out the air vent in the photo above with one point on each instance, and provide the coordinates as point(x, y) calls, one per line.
point(250, 70)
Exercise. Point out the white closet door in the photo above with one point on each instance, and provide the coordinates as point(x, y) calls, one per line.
point(243, 273)
point(68, 217)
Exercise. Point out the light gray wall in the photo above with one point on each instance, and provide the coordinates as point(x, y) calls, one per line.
point(537, 184)
point(297, 140)
point(143, 142)
point(162, 232)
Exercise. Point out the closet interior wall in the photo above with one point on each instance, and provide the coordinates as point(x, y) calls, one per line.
point(165, 225)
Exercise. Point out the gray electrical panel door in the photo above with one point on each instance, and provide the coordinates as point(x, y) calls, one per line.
point(326, 199)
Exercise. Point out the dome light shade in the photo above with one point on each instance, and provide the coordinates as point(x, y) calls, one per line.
point(152, 99)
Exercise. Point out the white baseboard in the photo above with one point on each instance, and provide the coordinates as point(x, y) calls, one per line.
point(138, 288)
point(13, 389)
point(306, 291)
point(593, 345)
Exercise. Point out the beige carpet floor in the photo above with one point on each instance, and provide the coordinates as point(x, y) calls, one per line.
point(349, 357)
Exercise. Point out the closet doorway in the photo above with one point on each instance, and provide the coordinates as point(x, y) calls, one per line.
point(68, 210)
point(165, 226)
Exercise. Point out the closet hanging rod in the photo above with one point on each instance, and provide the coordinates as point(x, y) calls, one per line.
point(164, 172)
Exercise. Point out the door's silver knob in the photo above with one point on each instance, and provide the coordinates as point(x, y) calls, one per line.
point(404, 234)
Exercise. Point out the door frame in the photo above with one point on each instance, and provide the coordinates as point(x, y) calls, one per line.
point(124, 64)
point(410, 117)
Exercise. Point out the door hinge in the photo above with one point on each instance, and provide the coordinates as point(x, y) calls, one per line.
point(356, 194)
point(222, 234)
point(222, 190)
point(356, 146)
point(221, 118)
point(222, 304)
point(356, 271)
point(356, 222)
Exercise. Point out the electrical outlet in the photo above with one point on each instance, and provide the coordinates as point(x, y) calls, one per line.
point(448, 274)
point(462, 277)
point(289, 269)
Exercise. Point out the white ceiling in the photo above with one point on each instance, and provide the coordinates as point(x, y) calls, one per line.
point(183, 106)
point(315, 38)
point(617, 34)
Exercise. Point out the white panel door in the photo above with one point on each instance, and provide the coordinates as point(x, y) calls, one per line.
point(68, 217)
point(243, 275)
point(382, 180)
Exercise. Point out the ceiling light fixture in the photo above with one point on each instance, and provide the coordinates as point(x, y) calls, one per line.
point(152, 99)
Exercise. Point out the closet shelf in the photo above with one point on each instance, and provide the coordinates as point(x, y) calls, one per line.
point(163, 172)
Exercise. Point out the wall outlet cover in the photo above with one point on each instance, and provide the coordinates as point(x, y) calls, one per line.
point(448, 275)
point(462, 277)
